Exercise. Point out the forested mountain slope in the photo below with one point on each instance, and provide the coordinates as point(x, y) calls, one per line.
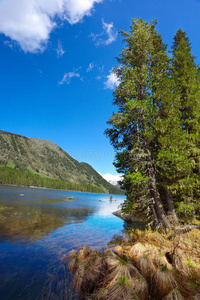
point(48, 159)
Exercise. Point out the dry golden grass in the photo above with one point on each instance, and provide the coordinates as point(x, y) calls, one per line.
point(83, 253)
point(73, 265)
point(88, 269)
point(197, 296)
point(149, 265)
point(163, 282)
point(123, 281)
point(137, 250)
point(162, 261)
point(146, 266)
point(174, 295)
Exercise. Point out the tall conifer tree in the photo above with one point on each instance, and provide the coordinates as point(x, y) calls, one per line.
point(144, 86)
point(156, 129)
point(187, 87)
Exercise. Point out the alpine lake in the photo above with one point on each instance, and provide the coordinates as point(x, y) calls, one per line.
point(38, 230)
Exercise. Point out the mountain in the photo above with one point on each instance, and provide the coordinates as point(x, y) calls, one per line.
point(48, 159)
point(112, 179)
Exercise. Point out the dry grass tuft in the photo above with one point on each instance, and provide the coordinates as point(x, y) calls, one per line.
point(148, 236)
point(174, 295)
point(137, 250)
point(79, 281)
point(87, 271)
point(180, 264)
point(163, 282)
point(146, 266)
point(73, 265)
point(123, 289)
point(197, 296)
point(117, 267)
point(83, 253)
point(162, 261)
point(123, 281)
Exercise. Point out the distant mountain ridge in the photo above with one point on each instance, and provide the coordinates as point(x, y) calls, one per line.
point(48, 159)
point(112, 179)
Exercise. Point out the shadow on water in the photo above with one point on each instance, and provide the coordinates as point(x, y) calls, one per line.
point(118, 239)
point(135, 225)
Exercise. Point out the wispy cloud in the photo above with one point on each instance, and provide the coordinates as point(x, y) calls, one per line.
point(59, 50)
point(108, 36)
point(90, 67)
point(30, 22)
point(68, 76)
point(112, 81)
point(9, 44)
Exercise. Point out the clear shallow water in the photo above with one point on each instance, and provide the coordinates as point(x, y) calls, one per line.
point(39, 228)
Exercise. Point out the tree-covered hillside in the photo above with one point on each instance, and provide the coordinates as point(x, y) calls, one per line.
point(47, 160)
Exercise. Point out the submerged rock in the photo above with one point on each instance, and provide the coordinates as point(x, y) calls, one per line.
point(126, 217)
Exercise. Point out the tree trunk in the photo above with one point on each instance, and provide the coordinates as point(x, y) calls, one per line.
point(171, 210)
point(158, 208)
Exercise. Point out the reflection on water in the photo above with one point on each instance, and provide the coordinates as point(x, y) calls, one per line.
point(39, 228)
point(31, 223)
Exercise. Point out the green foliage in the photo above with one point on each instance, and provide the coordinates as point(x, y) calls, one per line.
point(186, 171)
point(144, 84)
point(163, 267)
point(187, 209)
point(123, 261)
point(26, 178)
point(190, 263)
point(156, 130)
point(123, 280)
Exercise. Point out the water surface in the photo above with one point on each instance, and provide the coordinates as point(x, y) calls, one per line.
point(39, 228)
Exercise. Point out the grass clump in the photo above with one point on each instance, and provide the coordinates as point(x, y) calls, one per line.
point(174, 295)
point(148, 265)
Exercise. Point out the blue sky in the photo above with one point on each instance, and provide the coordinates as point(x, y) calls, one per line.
point(56, 62)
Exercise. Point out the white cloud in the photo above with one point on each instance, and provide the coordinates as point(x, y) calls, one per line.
point(75, 10)
point(68, 76)
point(108, 36)
point(30, 22)
point(60, 50)
point(90, 67)
point(112, 81)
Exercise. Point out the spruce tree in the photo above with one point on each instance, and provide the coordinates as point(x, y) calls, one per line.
point(185, 74)
point(144, 86)
point(156, 131)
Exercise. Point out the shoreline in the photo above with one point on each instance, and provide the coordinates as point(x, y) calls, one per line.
point(36, 187)
point(147, 264)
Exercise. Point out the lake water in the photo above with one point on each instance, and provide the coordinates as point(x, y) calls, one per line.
point(39, 228)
